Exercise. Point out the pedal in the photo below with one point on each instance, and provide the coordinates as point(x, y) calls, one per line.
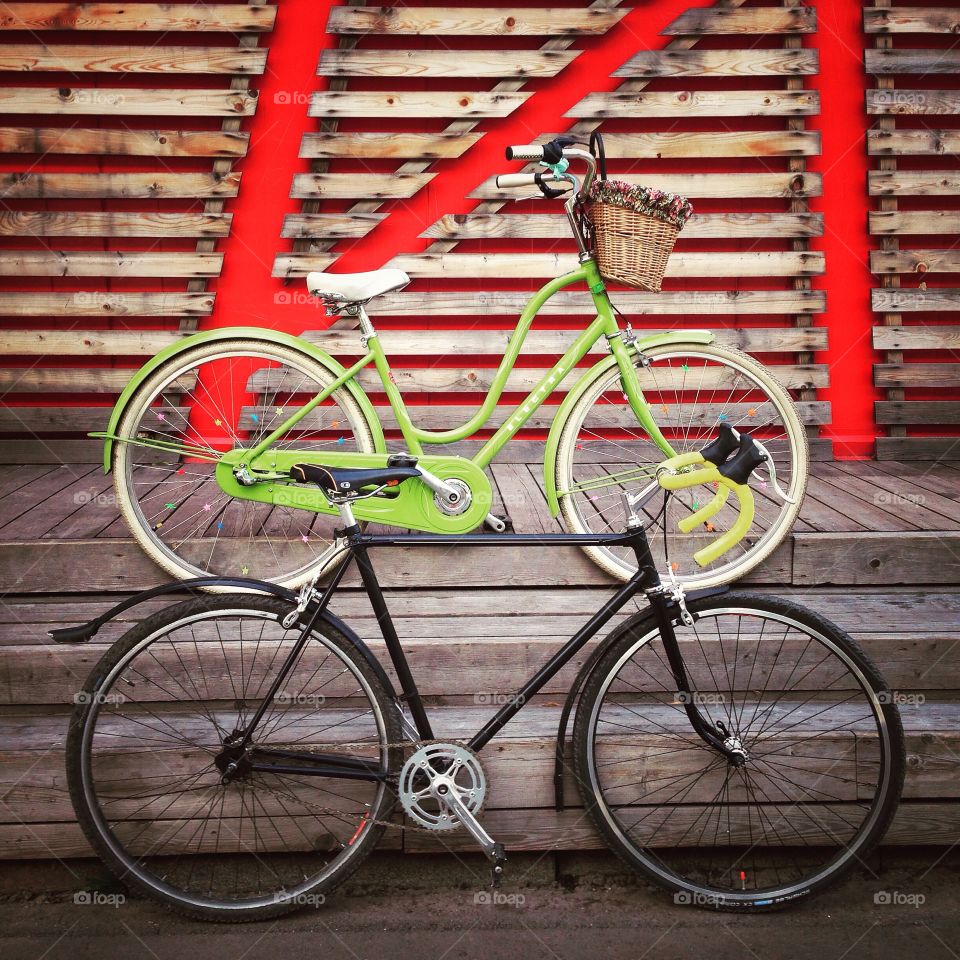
point(496, 524)
point(498, 857)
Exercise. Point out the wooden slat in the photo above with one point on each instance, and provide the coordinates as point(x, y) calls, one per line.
point(49, 419)
point(123, 101)
point(399, 343)
point(49, 223)
point(114, 58)
point(696, 185)
point(652, 145)
point(163, 17)
point(917, 375)
point(555, 226)
point(386, 186)
point(878, 558)
point(329, 225)
point(43, 263)
point(918, 448)
point(443, 63)
point(943, 20)
point(79, 342)
point(103, 303)
point(425, 146)
point(920, 337)
point(920, 183)
point(913, 102)
point(414, 103)
point(912, 61)
point(920, 142)
point(915, 301)
point(520, 265)
point(753, 62)
point(523, 265)
point(149, 186)
point(914, 261)
point(62, 379)
point(749, 20)
point(567, 303)
point(892, 222)
point(145, 143)
point(463, 21)
point(699, 103)
point(918, 411)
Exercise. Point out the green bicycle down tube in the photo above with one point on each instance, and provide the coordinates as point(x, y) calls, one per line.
point(477, 421)
point(292, 421)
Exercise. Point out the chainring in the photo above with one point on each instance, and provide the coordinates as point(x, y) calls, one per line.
point(431, 769)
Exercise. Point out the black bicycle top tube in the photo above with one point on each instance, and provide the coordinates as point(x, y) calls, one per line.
point(625, 539)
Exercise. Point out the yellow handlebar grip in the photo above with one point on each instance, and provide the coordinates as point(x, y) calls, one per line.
point(705, 512)
point(671, 480)
point(737, 532)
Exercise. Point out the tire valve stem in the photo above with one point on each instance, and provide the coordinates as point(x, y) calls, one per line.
point(743, 880)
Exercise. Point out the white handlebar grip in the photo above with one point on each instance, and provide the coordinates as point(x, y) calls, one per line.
point(532, 151)
point(506, 180)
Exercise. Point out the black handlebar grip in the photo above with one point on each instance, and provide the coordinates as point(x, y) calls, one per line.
point(743, 462)
point(718, 449)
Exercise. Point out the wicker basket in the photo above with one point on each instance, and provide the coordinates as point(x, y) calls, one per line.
point(631, 248)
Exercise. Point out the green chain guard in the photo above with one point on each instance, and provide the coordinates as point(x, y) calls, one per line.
point(411, 504)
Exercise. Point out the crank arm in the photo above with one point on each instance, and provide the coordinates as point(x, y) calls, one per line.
point(494, 851)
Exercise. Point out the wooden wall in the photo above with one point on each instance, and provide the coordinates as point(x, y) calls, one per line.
point(121, 127)
point(915, 178)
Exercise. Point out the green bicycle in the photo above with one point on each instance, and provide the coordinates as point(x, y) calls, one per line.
point(203, 439)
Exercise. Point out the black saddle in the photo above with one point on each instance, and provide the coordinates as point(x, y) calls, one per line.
point(346, 482)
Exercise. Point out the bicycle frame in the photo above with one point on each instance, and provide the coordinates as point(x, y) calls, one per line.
point(646, 580)
point(603, 325)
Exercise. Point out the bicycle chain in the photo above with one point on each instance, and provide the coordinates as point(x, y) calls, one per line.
point(413, 827)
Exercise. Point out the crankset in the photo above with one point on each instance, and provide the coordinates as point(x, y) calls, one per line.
point(411, 504)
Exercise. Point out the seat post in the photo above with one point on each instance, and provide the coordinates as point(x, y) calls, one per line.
point(357, 310)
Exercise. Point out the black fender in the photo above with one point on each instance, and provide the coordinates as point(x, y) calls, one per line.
point(87, 631)
point(587, 669)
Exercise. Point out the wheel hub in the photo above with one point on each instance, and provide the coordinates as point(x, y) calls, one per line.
point(460, 505)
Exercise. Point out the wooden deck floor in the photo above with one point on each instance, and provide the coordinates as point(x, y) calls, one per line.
point(877, 550)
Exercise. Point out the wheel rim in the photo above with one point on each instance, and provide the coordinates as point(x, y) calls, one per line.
point(805, 802)
point(258, 841)
point(691, 393)
point(174, 502)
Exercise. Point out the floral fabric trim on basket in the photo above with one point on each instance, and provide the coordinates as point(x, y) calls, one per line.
point(669, 207)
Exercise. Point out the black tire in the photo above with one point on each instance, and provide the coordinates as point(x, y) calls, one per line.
point(703, 870)
point(99, 689)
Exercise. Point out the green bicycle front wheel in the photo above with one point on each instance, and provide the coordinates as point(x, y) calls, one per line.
point(690, 389)
point(191, 411)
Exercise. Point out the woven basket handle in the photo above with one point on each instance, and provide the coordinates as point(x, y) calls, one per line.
point(596, 148)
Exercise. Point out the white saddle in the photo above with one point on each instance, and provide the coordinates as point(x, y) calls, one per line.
point(355, 287)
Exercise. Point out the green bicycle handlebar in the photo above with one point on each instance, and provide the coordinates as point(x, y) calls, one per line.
point(671, 480)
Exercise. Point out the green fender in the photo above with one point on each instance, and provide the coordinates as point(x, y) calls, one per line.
point(247, 333)
point(581, 387)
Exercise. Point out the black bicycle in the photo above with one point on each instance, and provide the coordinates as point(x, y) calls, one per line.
point(238, 755)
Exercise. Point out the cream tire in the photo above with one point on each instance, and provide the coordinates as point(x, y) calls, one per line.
point(166, 374)
point(723, 572)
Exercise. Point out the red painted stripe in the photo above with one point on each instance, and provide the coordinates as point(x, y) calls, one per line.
point(843, 122)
